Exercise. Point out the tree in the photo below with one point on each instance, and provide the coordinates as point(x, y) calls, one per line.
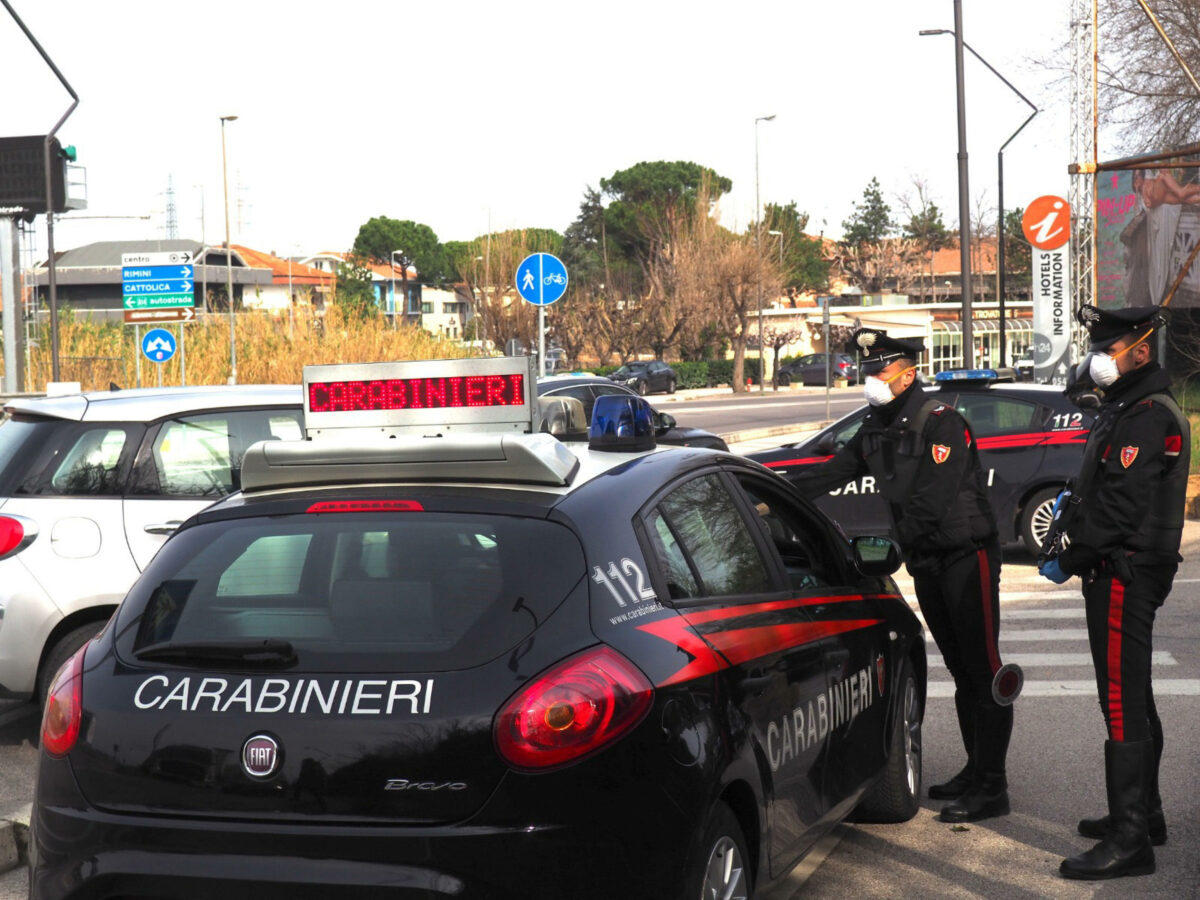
point(1144, 92)
point(414, 245)
point(355, 294)
point(925, 226)
point(867, 254)
point(804, 267)
point(653, 207)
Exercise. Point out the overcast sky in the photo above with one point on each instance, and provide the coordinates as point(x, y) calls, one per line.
point(456, 114)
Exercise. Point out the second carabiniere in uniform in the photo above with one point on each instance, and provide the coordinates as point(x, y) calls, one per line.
point(1123, 522)
point(924, 460)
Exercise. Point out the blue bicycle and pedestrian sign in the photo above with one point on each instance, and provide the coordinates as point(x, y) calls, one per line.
point(541, 279)
point(158, 345)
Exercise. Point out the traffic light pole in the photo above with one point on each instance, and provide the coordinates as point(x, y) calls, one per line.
point(50, 262)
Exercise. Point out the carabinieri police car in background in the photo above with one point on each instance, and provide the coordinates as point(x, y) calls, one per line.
point(428, 652)
point(1030, 437)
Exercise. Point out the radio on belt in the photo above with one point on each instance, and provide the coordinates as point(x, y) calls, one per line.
point(423, 397)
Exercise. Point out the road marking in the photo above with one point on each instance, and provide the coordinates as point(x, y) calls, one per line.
point(1164, 687)
point(1157, 658)
point(1010, 615)
point(1040, 595)
point(1035, 634)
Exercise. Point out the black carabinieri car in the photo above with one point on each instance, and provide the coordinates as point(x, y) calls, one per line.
point(485, 664)
point(1030, 438)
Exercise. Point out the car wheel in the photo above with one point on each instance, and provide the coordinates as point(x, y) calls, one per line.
point(784, 379)
point(643, 388)
point(671, 386)
point(60, 653)
point(896, 796)
point(720, 869)
point(1036, 519)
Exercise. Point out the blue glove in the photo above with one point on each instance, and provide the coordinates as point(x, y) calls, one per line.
point(1052, 570)
point(1062, 498)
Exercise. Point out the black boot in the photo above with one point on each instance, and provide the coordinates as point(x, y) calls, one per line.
point(987, 795)
point(1125, 848)
point(964, 705)
point(1097, 828)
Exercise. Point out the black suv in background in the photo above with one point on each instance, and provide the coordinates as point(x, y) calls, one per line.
point(811, 369)
point(647, 377)
point(1030, 440)
point(586, 388)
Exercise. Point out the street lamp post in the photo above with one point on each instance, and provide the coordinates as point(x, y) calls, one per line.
point(762, 370)
point(1000, 287)
point(229, 257)
point(393, 258)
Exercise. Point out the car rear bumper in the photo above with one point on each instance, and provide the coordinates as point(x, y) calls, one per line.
point(76, 854)
point(27, 616)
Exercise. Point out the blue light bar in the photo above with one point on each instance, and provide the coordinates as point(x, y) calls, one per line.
point(967, 375)
point(621, 424)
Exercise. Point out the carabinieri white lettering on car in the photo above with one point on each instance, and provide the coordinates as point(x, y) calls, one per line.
point(355, 696)
point(809, 722)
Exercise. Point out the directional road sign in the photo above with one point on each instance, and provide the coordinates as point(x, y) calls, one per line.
point(152, 316)
point(541, 278)
point(158, 345)
point(157, 280)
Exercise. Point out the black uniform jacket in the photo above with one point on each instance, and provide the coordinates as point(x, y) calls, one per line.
point(1131, 497)
point(944, 505)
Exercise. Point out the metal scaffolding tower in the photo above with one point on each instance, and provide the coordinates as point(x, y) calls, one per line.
point(1084, 102)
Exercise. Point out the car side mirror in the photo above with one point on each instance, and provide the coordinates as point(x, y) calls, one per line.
point(827, 444)
point(664, 422)
point(875, 556)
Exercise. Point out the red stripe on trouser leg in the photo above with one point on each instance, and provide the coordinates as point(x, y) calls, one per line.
point(989, 624)
point(1116, 613)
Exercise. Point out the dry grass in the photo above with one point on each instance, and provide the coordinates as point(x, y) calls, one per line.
point(270, 350)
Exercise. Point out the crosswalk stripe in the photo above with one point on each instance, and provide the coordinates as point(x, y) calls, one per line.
point(1157, 658)
point(1166, 687)
point(1034, 634)
point(1010, 615)
point(1040, 595)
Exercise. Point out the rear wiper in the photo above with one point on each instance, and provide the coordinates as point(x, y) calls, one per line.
point(267, 652)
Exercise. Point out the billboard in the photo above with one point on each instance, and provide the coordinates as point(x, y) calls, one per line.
point(1147, 222)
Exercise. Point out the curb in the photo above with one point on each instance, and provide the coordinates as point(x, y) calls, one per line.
point(740, 437)
point(14, 839)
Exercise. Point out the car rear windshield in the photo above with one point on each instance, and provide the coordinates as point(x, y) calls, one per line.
point(356, 591)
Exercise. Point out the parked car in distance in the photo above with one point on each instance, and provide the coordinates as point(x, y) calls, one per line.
point(811, 369)
point(647, 377)
point(1030, 438)
point(586, 388)
point(90, 487)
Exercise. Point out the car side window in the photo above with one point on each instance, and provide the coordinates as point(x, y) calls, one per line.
point(582, 393)
point(807, 557)
point(201, 455)
point(703, 545)
point(87, 462)
point(989, 414)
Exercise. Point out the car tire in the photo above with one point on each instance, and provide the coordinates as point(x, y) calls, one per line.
point(643, 388)
point(671, 386)
point(1036, 518)
point(784, 379)
point(896, 796)
point(62, 650)
point(722, 865)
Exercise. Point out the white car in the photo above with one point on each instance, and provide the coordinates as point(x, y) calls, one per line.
point(90, 487)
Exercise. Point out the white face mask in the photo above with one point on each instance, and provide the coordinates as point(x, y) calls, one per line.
point(877, 391)
point(1103, 369)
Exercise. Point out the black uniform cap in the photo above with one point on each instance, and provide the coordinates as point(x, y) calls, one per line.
point(1107, 326)
point(879, 351)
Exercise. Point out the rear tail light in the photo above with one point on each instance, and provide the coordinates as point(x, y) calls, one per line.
point(16, 533)
point(64, 707)
point(572, 710)
point(843, 366)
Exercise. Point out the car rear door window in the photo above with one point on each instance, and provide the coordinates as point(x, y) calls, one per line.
point(703, 544)
point(201, 455)
point(989, 414)
point(68, 459)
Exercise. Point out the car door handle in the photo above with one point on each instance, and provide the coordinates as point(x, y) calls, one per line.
point(164, 527)
point(756, 681)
